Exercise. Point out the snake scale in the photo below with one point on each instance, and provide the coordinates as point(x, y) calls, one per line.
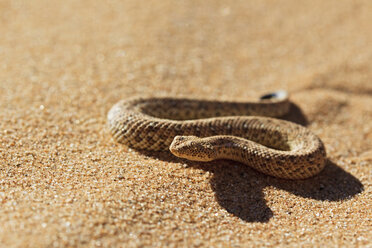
point(204, 130)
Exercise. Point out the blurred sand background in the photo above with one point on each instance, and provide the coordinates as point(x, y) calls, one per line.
point(65, 182)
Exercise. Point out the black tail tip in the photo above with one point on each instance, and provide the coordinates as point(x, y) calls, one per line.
point(279, 95)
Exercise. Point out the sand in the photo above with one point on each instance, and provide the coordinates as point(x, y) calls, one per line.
point(64, 182)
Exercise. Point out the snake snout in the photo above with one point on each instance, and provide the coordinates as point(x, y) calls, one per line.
point(178, 144)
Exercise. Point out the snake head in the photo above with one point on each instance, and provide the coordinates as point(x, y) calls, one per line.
point(192, 148)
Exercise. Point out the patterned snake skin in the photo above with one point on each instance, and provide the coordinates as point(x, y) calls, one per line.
point(204, 130)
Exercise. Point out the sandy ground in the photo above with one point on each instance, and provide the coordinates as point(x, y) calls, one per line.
point(65, 182)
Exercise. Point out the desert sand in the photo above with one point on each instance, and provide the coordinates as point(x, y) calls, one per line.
point(64, 181)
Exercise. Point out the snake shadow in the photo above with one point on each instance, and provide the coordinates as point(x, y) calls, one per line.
point(240, 189)
point(295, 115)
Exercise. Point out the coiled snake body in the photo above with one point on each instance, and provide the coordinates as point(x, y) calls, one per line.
point(204, 130)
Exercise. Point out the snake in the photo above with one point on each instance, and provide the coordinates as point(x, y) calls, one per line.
point(247, 132)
